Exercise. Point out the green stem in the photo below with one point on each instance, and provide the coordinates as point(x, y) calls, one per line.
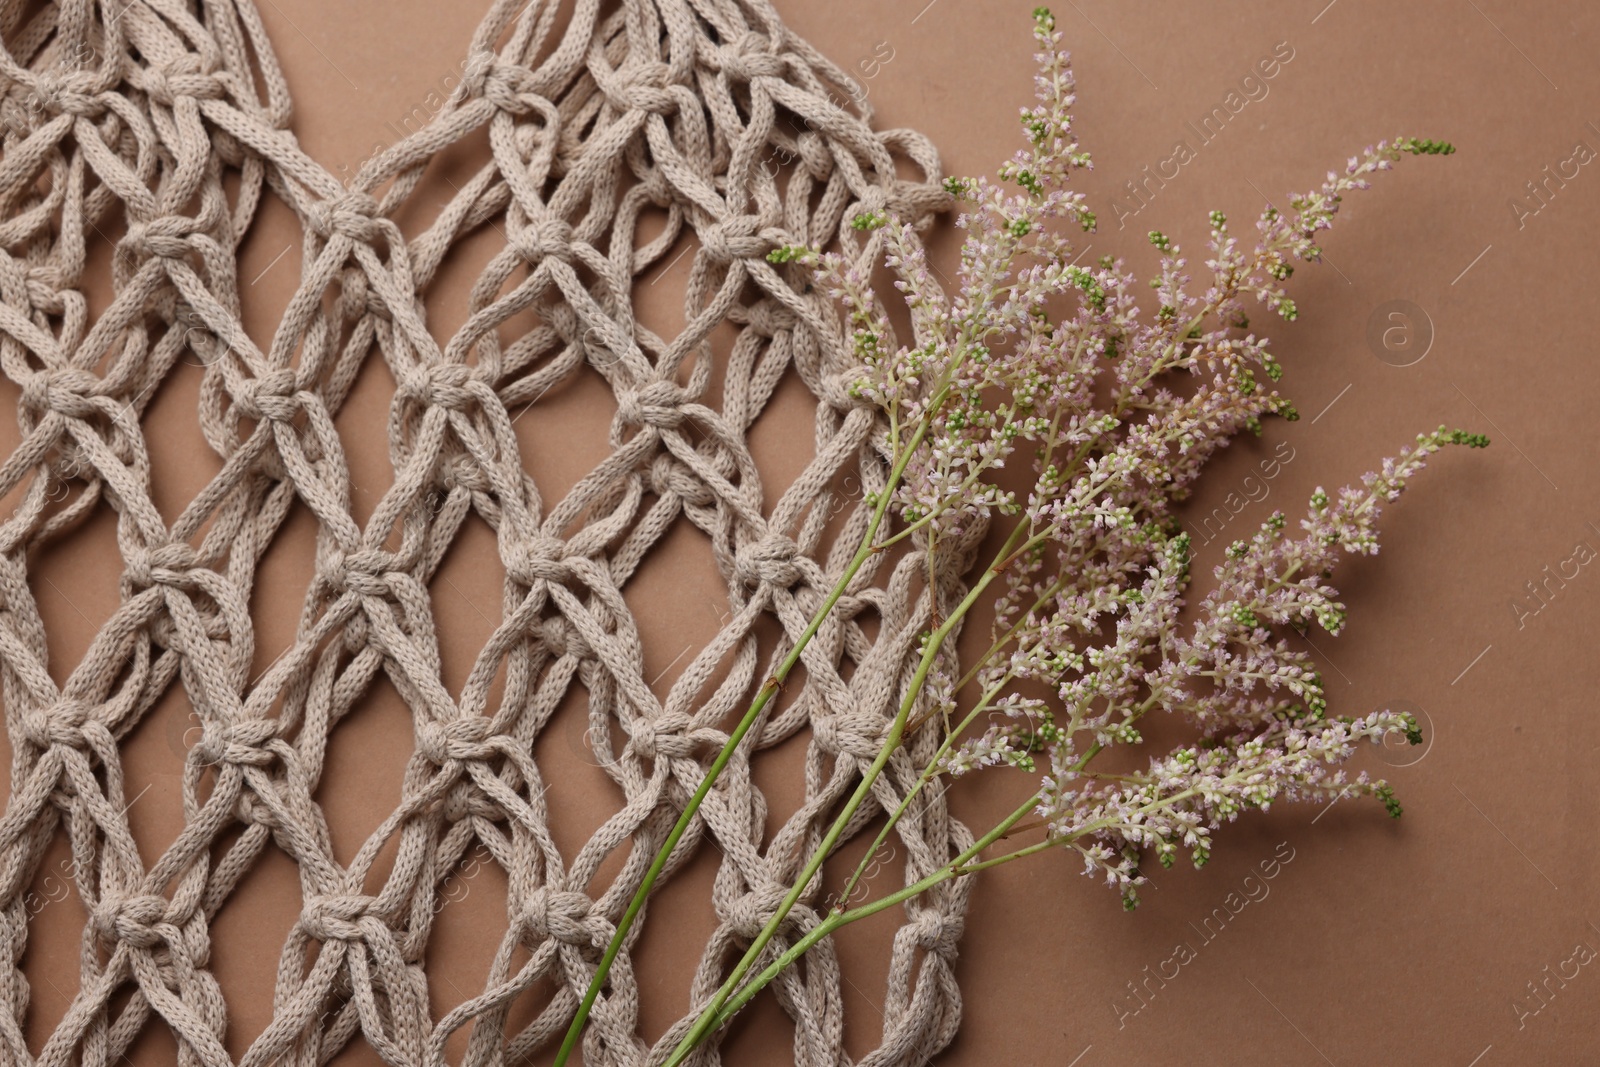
point(951, 736)
point(708, 1015)
point(960, 865)
point(757, 706)
point(923, 779)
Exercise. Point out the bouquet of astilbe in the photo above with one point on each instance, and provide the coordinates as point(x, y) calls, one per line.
point(1035, 359)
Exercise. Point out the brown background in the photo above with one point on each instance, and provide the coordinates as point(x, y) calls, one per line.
point(1379, 942)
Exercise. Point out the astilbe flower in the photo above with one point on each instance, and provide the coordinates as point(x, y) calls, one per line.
point(1033, 357)
point(1040, 392)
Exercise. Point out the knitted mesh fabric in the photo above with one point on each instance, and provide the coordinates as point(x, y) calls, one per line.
point(167, 121)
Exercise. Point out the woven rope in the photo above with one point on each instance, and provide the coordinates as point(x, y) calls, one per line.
point(144, 116)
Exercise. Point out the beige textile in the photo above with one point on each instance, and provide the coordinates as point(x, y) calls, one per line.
point(165, 124)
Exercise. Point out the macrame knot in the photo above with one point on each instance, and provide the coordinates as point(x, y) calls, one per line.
point(443, 385)
point(665, 737)
point(748, 58)
point(457, 739)
point(184, 76)
point(642, 88)
point(769, 561)
point(545, 236)
point(59, 724)
point(341, 917)
point(376, 307)
point(65, 390)
point(168, 564)
point(44, 282)
point(130, 919)
point(464, 472)
point(768, 318)
point(815, 154)
point(165, 237)
point(669, 477)
point(879, 200)
point(561, 638)
point(349, 214)
point(360, 572)
point(653, 404)
point(77, 104)
point(835, 390)
point(243, 743)
point(853, 733)
point(935, 933)
point(537, 558)
point(458, 802)
point(271, 396)
point(548, 913)
point(466, 800)
point(252, 810)
point(741, 237)
point(749, 914)
point(498, 80)
point(42, 92)
point(72, 94)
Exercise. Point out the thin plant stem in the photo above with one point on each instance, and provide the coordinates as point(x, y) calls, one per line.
point(923, 779)
point(951, 736)
point(962, 864)
point(966, 863)
point(830, 840)
point(757, 706)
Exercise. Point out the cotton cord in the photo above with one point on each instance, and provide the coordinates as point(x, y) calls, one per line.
point(167, 122)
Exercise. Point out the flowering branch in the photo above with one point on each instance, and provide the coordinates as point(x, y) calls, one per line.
point(1105, 412)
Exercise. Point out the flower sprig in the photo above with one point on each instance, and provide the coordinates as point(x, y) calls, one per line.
point(1051, 397)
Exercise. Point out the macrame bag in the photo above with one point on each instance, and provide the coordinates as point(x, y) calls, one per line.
point(166, 123)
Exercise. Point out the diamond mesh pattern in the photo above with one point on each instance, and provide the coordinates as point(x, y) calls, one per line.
point(168, 122)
